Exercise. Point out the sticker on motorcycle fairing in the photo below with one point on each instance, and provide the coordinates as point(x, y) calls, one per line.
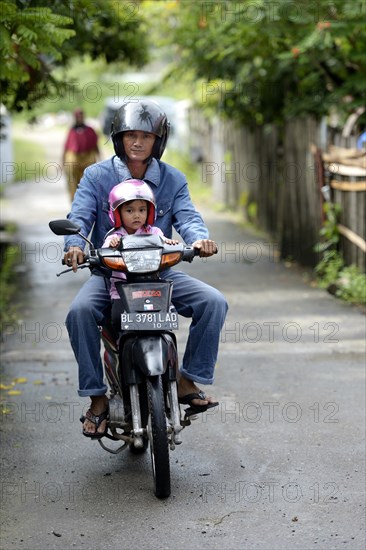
point(148, 307)
point(149, 321)
point(145, 294)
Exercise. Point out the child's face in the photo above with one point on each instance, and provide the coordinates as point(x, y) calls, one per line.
point(133, 215)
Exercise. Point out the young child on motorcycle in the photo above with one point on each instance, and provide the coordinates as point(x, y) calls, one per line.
point(132, 210)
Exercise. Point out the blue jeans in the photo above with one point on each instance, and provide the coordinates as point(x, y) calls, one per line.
point(192, 298)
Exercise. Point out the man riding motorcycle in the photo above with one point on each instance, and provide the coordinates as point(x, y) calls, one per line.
point(140, 131)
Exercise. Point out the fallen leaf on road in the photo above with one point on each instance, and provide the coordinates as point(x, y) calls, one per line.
point(15, 392)
point(6, 387)
point(20, 380)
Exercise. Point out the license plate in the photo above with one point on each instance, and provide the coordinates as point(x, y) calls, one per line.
point(153, 320)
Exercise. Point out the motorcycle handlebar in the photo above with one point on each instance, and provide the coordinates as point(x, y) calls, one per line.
point(189, 253)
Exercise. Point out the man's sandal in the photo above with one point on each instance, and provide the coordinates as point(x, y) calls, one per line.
point(97, 420)
point(196, 409)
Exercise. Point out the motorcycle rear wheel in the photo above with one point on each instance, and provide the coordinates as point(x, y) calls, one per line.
point(158, 435)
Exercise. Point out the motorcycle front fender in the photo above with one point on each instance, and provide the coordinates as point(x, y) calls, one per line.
point(151, 355)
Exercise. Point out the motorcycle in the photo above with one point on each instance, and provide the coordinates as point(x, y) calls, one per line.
point(140, 353)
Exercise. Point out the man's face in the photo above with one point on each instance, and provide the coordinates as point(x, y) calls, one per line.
point(138, 145)
point(79, 117)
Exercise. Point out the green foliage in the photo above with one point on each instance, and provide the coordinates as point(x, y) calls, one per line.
point(352, 285)
point(243, 199)
point(252, 212)
point(38, 36)
point(347, 282)
point(10, 257)
point(104, 29)
point(30, 38)
point(27, 156)
point(329, 231)
point(329, 268)
point(262, 62)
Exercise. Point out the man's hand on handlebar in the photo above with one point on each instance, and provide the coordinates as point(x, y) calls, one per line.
point(73, 257)
point(206, 247)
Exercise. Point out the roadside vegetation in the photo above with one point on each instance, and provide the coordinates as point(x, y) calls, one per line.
point(27, 154)
point(9, 258)
point(345, 282)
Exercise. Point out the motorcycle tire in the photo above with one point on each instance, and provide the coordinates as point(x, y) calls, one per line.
point(159, 444)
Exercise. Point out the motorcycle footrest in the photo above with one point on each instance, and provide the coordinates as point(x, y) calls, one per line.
point(109, 449)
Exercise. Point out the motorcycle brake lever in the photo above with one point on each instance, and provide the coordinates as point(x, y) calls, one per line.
point(81, 266)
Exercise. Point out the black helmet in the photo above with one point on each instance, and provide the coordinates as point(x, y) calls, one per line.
point(144, 115)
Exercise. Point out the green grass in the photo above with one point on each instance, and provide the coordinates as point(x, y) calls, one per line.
point(29, 157)
point(10, 257)
point(200, 192)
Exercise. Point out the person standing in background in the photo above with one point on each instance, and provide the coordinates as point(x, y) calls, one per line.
point(80, 150)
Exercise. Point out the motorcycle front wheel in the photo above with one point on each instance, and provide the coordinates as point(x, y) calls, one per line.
point(158, 436)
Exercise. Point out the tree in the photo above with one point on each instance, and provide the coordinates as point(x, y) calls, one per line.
point(263, 61)
point(38, 36)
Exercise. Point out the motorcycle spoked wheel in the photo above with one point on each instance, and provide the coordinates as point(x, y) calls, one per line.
point(158, 436)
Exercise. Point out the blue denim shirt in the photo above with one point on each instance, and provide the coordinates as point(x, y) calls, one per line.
point(174, 206)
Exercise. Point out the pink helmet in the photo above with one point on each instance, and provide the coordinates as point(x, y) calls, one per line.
point(130, 190)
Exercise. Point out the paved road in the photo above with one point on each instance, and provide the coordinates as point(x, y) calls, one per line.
point(279, 465)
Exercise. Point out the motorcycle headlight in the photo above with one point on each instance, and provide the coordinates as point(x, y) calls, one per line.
point(144, 261)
